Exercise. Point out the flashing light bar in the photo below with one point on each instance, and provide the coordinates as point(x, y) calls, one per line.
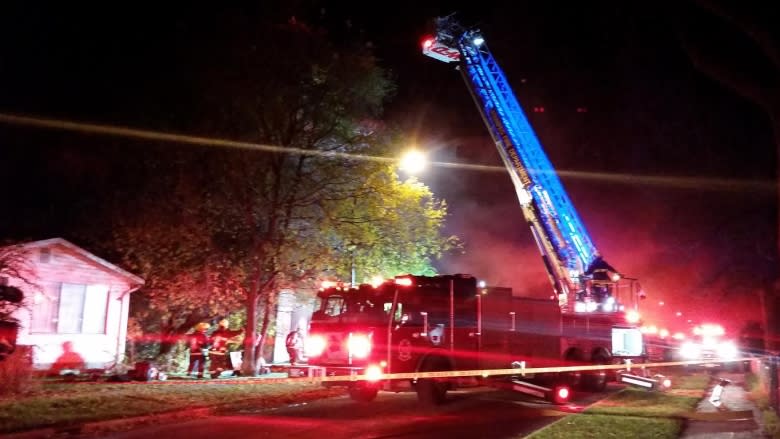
point(403, 281)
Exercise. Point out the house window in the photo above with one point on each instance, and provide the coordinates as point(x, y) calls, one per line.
point(44, 311)
point(74, 309)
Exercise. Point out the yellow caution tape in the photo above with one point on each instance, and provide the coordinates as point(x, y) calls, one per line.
point(317, 374)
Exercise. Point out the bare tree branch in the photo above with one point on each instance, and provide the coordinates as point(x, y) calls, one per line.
point(724, 74)
point(747, 24)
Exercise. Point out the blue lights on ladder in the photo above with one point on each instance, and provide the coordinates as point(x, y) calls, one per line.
point(523, 151)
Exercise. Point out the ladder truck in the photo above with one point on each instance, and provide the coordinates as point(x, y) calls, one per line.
point(598, 304)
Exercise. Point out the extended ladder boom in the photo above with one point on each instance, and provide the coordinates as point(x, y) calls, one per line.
point(567, 250)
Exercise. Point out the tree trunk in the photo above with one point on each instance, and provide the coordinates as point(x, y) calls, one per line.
point(248, 361)
point(268, 306)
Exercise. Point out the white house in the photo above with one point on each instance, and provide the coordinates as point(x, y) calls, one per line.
point(78, 308)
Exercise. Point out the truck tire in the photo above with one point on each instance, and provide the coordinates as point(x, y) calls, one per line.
point(361, 393)
point(596, 381)
point(573, 379)
point(432, 391)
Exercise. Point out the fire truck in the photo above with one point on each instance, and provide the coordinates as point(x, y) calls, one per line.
point(443, 323)
point(433, 324)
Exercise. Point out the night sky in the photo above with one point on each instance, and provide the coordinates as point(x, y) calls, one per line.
point(655, 160)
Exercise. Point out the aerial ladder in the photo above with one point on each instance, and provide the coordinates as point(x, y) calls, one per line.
point(597, 301)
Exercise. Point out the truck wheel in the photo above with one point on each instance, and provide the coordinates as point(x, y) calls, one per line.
point(573, 379)
point(596, 381)
point(363, 393)
point(431, 392)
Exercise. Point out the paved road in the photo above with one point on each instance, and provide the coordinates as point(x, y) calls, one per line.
point(474, 413)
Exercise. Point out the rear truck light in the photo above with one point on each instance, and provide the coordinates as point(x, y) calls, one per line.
point(664, 382)
point(359, 345)
point(558, 394)
point(314, 345)
point(561, 394)
point(373, 373)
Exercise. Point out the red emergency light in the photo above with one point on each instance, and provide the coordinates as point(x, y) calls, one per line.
point(359, 345)
point(315, 345)
point(561, 394)
point(373, 373)
point(428, 42)
point(632, 316)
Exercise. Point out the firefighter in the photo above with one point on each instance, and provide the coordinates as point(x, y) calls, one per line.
point(294, 343)
point(220, 360)
point(199, 343)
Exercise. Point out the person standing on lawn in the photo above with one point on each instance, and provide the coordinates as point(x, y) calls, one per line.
point(198, 342)
point(294, 343)
point(218, 354)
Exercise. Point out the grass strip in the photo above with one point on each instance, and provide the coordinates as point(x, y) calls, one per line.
point(64, 405)
point(635, 413)
point(606, 426)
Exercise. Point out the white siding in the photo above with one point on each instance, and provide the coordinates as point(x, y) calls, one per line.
point(99, 335)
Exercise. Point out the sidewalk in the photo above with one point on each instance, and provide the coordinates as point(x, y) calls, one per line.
point(741, 419)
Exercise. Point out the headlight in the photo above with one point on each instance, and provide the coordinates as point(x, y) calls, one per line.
point(359, 345)
point(727, 350)
point(314, 345)
point(690, 351)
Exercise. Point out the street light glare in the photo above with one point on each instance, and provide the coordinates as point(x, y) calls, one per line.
point(413, 162)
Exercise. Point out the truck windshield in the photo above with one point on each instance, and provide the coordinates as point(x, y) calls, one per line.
point(343, 309)
point(334, 306)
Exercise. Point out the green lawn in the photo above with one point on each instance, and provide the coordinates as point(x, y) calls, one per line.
point(637, 402)
point(605, 426)
point(59, 405)
point(698, 382)
point(634, 413)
